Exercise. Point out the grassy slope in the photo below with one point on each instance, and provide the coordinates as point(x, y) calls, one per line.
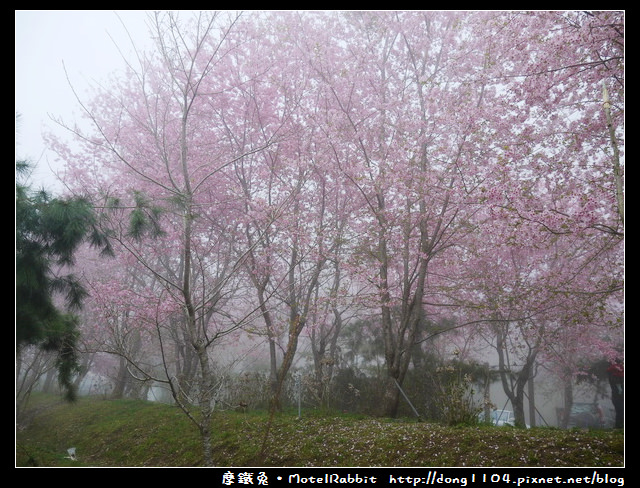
point(134, 433)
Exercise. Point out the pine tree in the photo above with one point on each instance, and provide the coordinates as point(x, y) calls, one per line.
point(48, 232)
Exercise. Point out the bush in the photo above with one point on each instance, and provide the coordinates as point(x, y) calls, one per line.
point(455, 397)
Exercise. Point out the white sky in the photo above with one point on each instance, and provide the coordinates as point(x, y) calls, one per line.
point(44, 39)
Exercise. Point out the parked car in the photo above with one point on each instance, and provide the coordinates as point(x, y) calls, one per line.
point(586, 415)
point(500, 418)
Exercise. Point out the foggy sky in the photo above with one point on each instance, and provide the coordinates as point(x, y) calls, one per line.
point(47, 42)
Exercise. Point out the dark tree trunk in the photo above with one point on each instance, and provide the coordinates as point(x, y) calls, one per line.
point(616, 381)
point(120, 381)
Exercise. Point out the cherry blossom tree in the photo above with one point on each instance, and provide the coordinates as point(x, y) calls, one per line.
point(393, 141)
point(160, 160)
point(268, 173)
point(562, 181)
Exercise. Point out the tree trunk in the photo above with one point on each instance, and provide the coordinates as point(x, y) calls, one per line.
point(514, 382)
point(532, 403)
point(390, 397)
point(568, 403)
point(120, 381)
point(616, 381)
point(205, 404)
point(273, 356)
point(207, 453)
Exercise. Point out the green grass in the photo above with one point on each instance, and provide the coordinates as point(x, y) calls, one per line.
point(132, 433)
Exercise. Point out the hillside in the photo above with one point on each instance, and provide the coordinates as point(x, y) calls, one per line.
point(130, 433)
